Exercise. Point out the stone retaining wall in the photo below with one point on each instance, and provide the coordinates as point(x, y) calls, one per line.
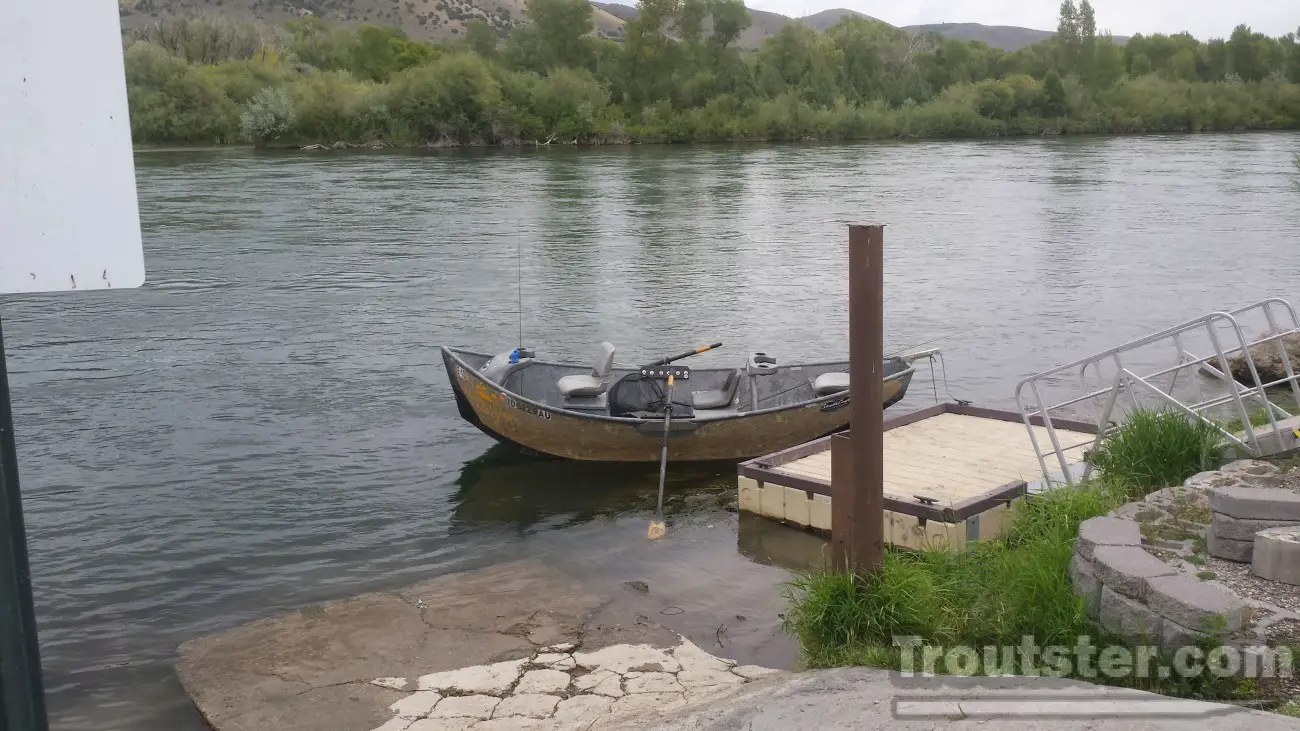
point(1247, 497)
point(1141, 598)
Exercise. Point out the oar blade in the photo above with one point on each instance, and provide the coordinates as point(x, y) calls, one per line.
point(657, 530)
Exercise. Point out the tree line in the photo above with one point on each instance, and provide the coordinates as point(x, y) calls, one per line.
point(676, 75)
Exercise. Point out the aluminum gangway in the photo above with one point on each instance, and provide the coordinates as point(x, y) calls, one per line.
point(1106, 385)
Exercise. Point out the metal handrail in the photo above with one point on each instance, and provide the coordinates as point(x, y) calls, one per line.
point(1129, 380)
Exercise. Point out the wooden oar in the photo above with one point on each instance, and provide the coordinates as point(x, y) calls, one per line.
point(657, 527)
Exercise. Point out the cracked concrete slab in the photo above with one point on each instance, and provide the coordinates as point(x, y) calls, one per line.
point(317, 667)
point(446, 650)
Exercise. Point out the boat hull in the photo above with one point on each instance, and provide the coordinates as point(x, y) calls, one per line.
point(571, 435)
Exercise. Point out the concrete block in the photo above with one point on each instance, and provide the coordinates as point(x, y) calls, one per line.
point(1127, 618)
point(797, 506)
point(1250, 467)
point(1126, 569)
point(1230, 550)
point(1174, 636)
point(1140, 511)
point(1256, 503)
point(772, 502)
point(1086, 584)
point(750, 495)
point(820, 512)
point(1205, 480)
point(1277, 555)
point(1196, 604)
point(1237, 529)
point(1104, 531)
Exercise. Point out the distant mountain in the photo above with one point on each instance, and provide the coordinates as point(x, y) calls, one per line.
point(440, 19)
point(765, 25)
point(1006, 37)
point(827, 18)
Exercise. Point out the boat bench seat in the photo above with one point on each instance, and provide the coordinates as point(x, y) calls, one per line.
point(829, 383)
point(571, 386)
point(717, 399)
point(594, 384)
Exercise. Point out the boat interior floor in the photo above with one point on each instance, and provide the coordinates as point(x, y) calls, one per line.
point(710, 393)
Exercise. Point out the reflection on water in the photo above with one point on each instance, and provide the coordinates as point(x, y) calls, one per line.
point(266, 424)
point(507, 487)
point(768, 542)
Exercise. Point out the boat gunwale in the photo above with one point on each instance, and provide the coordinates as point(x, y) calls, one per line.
point(763, 469)
point(455, 355)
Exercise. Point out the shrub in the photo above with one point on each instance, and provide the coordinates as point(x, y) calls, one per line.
point(332, 106)
point(268, 116)
point(172, 102)
point(569, 102)
point(453, 98)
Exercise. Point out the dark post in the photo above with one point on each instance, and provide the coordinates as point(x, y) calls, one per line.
point(22, 693)
point(858, 459)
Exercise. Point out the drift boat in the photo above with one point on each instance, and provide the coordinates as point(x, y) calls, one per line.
point(605, 413)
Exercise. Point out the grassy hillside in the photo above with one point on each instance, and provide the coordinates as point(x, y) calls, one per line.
point(441, 19)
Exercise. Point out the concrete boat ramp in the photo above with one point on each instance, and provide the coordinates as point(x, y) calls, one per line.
point(523, 646)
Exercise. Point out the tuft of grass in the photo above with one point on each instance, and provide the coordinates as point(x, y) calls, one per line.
point(1258, 417)
point(993, 594)
point(1195, 560)
point(1156, 449)
point(1206, 575)
point(999, 591)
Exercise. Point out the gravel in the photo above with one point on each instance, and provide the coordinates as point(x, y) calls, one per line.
point(1237, 576)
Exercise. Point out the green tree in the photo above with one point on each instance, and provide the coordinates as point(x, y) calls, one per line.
point(1215, 58)
point(1291, 48)
point(317, 43)
point(480, 38)
point(1107, 65)
point(562, 26)
point(374, 56)
point(1087, 51)
point(1054, 95)
point(730, 19)
point(1069, 35)
point(649, 55)
point(1246, 54)
point(690, 21)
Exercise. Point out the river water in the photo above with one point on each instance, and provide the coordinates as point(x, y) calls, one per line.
point(266, 423)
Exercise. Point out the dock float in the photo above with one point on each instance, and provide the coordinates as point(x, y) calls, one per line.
point(952, 472)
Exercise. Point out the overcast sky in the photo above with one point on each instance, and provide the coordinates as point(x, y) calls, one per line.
point(1202, 18)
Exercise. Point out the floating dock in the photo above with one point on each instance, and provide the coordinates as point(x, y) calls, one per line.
point(952, 472)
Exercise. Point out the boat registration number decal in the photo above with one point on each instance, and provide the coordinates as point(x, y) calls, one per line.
point(835, 404)
point(528, 408)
